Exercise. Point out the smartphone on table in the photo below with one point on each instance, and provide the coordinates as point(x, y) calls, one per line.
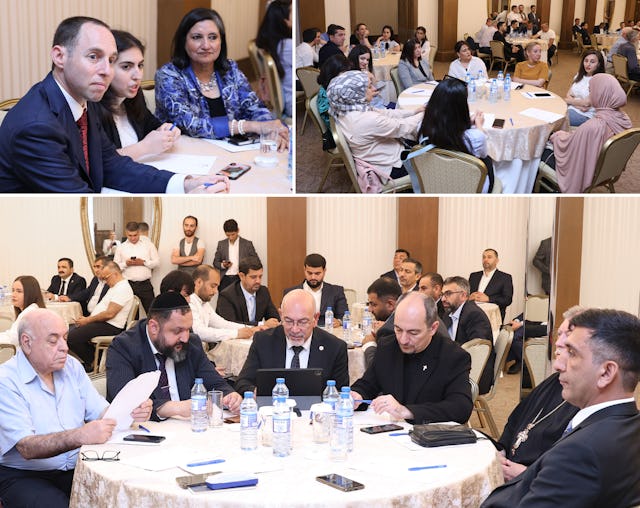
point(340, 482)
point(498, 123)
point(143, 438)
point(234, 170)
point(377, 429)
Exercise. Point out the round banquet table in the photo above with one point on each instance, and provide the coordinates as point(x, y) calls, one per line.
point(382, 72)
point(515, 149)
point(606, 41)
point(380, 462)
point(69, 311)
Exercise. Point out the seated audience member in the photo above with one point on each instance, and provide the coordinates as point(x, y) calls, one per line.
point(373, 135)
point(386, 40)
point(397, 381)
point(575, 28)
point(109, 317)
point(324, 294)
point(616, 45)
point(274, 36)
point(67, 284)
point(466, 63)
point(97, 288)
point(409, 274)
point(514, 28)
point(629, 49)
point(204, 93)
point(398, 257)
point(540, 419)
point(490, 284)
point(207, 324)
point(546, 34)
point(41, 433)
point(335, 65)
point(430, 284)
point(247, 301)
point(360, 36)
point(109, 245)
point(335, 45)
point(362, 60)
point(296, 343)
point(307, 51)
point(447, 124)
point(230, 251)
point(595, 463)
point(578, 99)
point(425, 46)
point(510, 50)
point(413, 69)
point(162, 342)
point(575, 153)
point(178, 281)
point(485, 36)
point(125, 118)
point(532, 71)
point(25, 297)
point(584, 33)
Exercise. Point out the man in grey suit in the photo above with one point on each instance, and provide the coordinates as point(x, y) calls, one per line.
point(229, 253)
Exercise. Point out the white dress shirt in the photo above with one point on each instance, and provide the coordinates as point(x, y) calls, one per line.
point(306, 55)
point(303, 355)
point(317, 294)
point(234, 257)
point(485, 279)
point(142, 249)
point(170, 367)
point(120, 294)
point(586, 412)
point(208, 324)
point(93, 301)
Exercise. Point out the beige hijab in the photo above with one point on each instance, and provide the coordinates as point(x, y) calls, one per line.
point(576, 152)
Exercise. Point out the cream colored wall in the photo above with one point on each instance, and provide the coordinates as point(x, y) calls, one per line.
point(472, 14)
point(555, 18)
point(337, 12)
point(540, 226)
point(375, 14)
point(618, 14)
point(579, 9)
point(428, 18)
point(241, 22)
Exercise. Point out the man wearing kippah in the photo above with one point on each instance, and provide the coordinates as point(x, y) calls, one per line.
point(163, 342)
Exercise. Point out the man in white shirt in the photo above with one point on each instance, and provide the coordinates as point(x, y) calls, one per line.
point(307, 51)
point(546, 34)
point(96, 290)
point(485, 36)
point(514, 15)
point(190, 251)
point(137, 258)
point(503, 15)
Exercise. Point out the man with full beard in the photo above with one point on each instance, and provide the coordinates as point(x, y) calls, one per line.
point(163, 342)
point(189, 253)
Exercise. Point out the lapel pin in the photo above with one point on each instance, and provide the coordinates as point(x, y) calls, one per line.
point(424, 367)
point(321, 348)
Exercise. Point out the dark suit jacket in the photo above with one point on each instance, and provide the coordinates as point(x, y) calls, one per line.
point(332, 296)
point(222, 253)
point(233, 307)
point(391, 275)
point(142, 128)
point(74, 285)
point(597, 465)
point(85, 295)
point(41, 150)
point(327, 51)
point(542, 261)
point(499, 290)
point(268, 351)
point(438, 393)
point(129, 355)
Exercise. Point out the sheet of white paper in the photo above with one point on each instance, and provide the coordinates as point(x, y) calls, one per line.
point(134, 393)
point(233, 148)
point(183, 163)
point(541, 114)
point(156, 461)
point(488, 120)
point(417, 101)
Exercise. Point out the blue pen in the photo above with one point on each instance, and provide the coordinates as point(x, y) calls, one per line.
point(205, 462)
point(511, 120)
point(144, 428)
point(365, 401)
point(172, 126)
point(394, 434)
point(420, 468)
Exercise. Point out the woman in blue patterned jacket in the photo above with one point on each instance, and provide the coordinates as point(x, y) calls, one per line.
point(202, 91)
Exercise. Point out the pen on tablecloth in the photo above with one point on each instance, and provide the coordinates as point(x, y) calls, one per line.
point(205, 462)
point(394, 434)
point(172, 126)
point(511, 120)
point(144, 428)
point(420, 468)
point(364, 401)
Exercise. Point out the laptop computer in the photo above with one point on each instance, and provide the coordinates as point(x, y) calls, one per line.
point(305, 385)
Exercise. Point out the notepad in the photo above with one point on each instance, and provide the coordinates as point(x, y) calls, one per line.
point(541, 114)
point(184, 164)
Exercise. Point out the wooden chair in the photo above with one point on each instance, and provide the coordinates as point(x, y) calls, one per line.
point(7, 351)
point(396, 80)
point(594, 42)
point(441, 171)
point(536, 359)
point(612, 161)
point(148, 90)
point(256, 62)
point(6, 322)
point(333, 157)
point(497, 55)
point(432, 58)
point(582, 47)
point(308, 77)
point(273, 84)
point(621, 72)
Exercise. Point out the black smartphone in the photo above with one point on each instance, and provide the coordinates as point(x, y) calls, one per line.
point(542, 94)
point(143, 438)
point(340, 482)
point(234, 170)
point(244, 139)
point(498, 123)
point(378, 429)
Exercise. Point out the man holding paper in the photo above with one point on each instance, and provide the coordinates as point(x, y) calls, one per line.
point(49, 409)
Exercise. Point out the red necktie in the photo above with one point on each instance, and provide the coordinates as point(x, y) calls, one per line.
point(83, 125)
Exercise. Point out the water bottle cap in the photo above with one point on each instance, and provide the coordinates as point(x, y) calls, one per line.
point(198, 380)
point(248, 395)
point(279, 380)
point(345, 389)
point(345, 395)
point(347, 313)
point(329, 308)
point(331, 382)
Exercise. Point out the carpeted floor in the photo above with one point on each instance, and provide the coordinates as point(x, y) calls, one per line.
point(310, 159)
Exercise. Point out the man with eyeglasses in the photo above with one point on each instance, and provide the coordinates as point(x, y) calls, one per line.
point(296, 343)
point(49, 409)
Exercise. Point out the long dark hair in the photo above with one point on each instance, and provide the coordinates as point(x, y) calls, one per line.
point(582, 73)
point(273, 29)
point(179, 56)
point(354, 56)
point(446, 117)
point(30, 291)
point(408, 49)
point(425, 34)
point(334, 65)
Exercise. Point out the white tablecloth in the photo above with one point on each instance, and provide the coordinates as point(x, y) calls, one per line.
point(382, 71)
point(495, 318)
point(69, 311)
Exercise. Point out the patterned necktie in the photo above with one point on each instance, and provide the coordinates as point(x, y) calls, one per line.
point(163, 382)
point(295, 361)
point(83, 125)
point(63, 287)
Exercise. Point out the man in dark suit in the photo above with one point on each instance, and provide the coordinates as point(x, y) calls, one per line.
point(466, 321)
point(67, 284)
point(399, 256)
point(335, 46)
point(247, 300)
point(297, 343)
point(542, 261)
point(409, 274)
point(325, 294)
point(53, 141)
point(415, 375)
point(229, 253)
point(430, 284)
point(491, 285)
point(88, 298)
point(158, 342)
point(597, 462)
point(510, 50)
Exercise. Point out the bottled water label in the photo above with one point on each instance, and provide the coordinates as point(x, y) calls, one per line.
point(281, 425)
point(249, 420)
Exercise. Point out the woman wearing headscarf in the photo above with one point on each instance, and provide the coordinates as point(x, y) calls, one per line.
point(576, 152)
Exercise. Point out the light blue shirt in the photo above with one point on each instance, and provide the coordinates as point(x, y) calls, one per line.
point(29, 408)
point(250, 299)
point(455, 318)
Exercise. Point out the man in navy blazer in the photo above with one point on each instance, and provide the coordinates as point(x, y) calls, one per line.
point(229, 252)
point(277, 348)
point(324, 294)
point(398, 257)
point(67, 284)
point(491, 285)
point(165, 332)
point(41, 145)
point(597, 461)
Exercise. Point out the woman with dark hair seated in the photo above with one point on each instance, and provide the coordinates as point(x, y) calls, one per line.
point(580, 108)
point(25, 297)
point(202, 91)
point(425, 46)
point(361, 60)
point(386, 40)
point(412, 68)
point(466, 63)
point(125, 117)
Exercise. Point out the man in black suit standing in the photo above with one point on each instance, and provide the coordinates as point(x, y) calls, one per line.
point(296, 343)
point(67, 284)
point(324, 294)
point(229, 252)
point(491, 285)
point(466, 321)
point(90, 297)
point(597, 461)
point(399, 256)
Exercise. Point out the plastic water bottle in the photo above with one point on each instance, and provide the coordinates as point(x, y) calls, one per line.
point(281, 439)
point(199, 418)
point(472, 91)
point(500, 84)
point(346, 326)
point(347, 404)
point(279, 390)
point(506, 94)
point(330, 394)
point(383, 50)
point(339, 442)
point(328, 319)
point(367, 322)
point(493, 92)
point(467, 77)
point(480, 75)
point(500, 76)
point(248, 422)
